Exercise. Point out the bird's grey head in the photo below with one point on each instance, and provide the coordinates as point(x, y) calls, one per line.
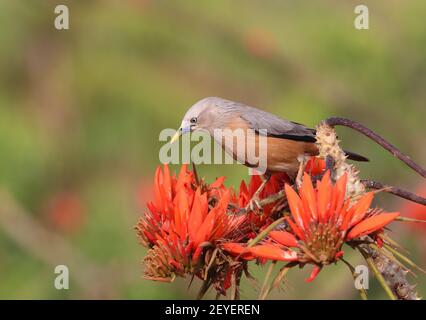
point(205, 115)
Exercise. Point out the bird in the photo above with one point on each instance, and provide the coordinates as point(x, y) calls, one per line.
point(287, 141)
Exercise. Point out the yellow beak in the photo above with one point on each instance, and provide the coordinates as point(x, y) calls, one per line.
point(175, 137)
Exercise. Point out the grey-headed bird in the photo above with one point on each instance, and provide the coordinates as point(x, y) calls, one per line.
point(286, 140)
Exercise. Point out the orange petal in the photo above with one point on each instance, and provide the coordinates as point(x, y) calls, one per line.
point(372, 224)
point(206, 228)
point(315, 166)
point(197, 254)
point(204, 205)
point(272, 252)
point(157, 188)
point(324, 196)
point(254, 184)
point(308, 197)
point(339, 254)
point(339, 193)
point(181, 213)
point(243, 196)
point(344, 216)
point(314, 274)
point(167, 183)
point(233, 247)
point(296, 229)
point(237, 249)
point(196, 217)
point(182, 178)
point(283, 237)
point(153, 210)
point(214, 222)
point(296, 207)
point(360, 208)
point(218, 183)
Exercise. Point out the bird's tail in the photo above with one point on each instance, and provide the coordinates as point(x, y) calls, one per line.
point(356, 157)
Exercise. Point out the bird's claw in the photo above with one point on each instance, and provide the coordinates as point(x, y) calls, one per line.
point(254, 206)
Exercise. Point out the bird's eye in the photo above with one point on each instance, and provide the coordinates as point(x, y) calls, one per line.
point(193, 120)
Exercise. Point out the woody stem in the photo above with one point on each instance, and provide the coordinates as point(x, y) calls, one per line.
point(394, 276)
point(394, 190)
point(378, 275)
point(335, 121)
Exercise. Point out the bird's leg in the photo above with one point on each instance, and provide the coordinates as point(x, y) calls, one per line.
point(254, 201)
point(302, 160)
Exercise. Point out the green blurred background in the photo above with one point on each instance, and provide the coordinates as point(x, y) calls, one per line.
point(81, 111)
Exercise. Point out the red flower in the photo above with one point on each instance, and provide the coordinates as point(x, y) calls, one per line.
point(255, 221)
point(321, 221)
point(315, 166)
point(184, 219)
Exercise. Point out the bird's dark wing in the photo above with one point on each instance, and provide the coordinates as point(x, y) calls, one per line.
point(277, 127)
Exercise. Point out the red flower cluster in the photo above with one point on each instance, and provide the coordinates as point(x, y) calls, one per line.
point(188, 219)
point(322, 220)
point(204, 229)
point(184, 219)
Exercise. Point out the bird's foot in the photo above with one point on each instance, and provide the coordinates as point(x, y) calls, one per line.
point(254, 205)
point(303, 160)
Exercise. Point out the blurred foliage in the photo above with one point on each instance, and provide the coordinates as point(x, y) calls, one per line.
point(81, 111)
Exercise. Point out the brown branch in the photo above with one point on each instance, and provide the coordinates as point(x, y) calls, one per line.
point(335, 121)
point(394, 190)
point(394, 275)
